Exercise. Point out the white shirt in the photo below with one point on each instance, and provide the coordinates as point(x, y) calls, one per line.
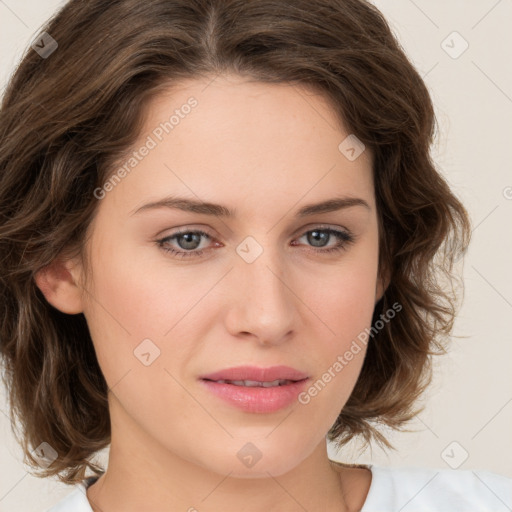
point(406, 489)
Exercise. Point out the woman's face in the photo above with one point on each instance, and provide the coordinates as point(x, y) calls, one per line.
point(262, 287)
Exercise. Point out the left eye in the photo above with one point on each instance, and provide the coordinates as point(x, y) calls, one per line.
point(189, 241)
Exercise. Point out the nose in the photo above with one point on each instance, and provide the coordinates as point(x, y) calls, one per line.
point(263, 304)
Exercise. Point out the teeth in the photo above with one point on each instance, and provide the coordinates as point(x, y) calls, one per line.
point(273, 383)
point(255, 383)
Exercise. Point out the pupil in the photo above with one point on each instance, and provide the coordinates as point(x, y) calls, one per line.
point(189, 239)
point(316, 235)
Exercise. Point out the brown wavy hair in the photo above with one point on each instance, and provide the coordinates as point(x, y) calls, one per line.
point(67, 119)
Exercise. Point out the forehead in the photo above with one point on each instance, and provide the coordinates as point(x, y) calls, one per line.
point(228, 104)
point(235, 139)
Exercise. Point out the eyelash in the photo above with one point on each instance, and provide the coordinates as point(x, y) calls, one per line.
point(344, 237)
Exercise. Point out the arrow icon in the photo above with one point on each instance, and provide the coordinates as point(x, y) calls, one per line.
point(351, 147)
point(454, 45)
point(44, 45)
point(454, 454)
point(249, 455)
point(146, 352)
point(247, 252)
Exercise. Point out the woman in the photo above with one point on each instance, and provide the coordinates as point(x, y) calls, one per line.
point(223, 240)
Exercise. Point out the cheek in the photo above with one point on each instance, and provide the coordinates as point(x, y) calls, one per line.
point(133, 302)
point(136, 296)
point(345, 307)
point(344, 299)
point(127, 303)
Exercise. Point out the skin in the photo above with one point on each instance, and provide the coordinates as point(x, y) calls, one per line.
point(174, 445)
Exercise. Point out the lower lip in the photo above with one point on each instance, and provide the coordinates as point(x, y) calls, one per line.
point(257, 399)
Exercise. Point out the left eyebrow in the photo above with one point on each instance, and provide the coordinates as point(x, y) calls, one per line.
point(218, 210)
point(332, 205)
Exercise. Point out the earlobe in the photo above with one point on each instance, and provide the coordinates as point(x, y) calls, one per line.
point(59, 285)
point(382, 285)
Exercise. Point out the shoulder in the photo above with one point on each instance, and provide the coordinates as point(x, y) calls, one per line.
point(408, 489)
point(76, 501)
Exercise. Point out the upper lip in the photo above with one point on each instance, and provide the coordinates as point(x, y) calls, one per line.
point(268, 374)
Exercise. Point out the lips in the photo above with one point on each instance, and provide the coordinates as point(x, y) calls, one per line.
point(255, 374)
point(256, 390)
point(255, 383)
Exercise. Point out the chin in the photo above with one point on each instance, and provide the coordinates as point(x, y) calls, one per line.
point(258, 459)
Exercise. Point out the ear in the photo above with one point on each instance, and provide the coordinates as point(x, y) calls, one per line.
point(382, 284)
point(59, 284)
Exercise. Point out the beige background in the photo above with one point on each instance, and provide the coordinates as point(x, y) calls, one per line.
point(469, 409)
